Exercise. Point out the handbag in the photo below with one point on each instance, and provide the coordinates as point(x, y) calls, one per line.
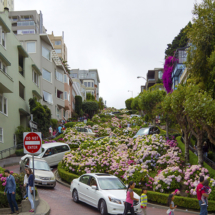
point(169, 211)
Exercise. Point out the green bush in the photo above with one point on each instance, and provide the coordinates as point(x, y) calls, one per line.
point(65, 176)
point(19, 133)
point(19, 152)
point(193, 158)
point(3, 200)
point(184, 202)
point(54, 123)
point(69, 124)
point(90, 123)
point(59, 137)
point(162, 132)
point(78, 104)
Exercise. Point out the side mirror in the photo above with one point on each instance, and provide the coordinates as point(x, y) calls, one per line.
point(94, 187)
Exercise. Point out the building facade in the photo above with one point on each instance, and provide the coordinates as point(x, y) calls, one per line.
point(20, 80)
point(8, 4)
point(89, 78)
point(59, 45)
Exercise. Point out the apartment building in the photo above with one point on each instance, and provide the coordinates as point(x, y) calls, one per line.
point(55, 81)
point(59, 45)
point(19, 81)
point(89, 78)
point(8, 4)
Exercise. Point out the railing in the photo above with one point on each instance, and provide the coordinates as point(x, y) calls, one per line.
point(19, 146)
point(6, 75)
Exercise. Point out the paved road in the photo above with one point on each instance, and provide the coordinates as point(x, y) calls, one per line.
point(60, 201)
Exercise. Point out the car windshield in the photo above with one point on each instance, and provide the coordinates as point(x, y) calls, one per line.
point(90, 131)
point(40, 165)
point(143, 131)
point(41, 154)
point(111, 184)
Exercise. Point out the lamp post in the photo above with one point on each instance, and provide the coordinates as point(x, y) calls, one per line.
point(143, 78)
point(131, 92)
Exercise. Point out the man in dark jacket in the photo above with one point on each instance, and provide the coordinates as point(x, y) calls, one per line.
point(10, 190)
point(205, 149)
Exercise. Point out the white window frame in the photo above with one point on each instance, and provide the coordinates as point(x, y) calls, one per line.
point(49, 53)
point(46, 79)
point(57, 112)
point(27, 47)
point(2, 134)
point(2, 65)
point(65, 95)
point(44, 98)
point(69, 97)
point(5, 35)
point(56, 75)
point(23, 31)
point(37, 78)
point(3, 103)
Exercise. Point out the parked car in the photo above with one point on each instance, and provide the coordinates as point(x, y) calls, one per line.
point(103, 191)
point(43, 174)
point(52, 152)
point(86, 131)
point(134, 115)
point(99, 138)
point(147, 131)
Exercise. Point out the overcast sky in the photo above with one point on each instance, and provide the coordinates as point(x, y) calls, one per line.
point(123, 39)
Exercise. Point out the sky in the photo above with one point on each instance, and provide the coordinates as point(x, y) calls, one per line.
point(122, 39)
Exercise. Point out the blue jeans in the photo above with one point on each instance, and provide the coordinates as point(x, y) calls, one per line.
point(26, 195)
point(203, 208)
point(12, 200)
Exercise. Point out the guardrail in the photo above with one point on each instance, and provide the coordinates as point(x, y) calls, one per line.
point(19, 146)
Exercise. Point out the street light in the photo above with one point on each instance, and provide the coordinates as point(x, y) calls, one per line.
point(141, 77)
point(131, 92)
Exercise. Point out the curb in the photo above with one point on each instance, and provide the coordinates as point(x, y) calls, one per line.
point(58, 179)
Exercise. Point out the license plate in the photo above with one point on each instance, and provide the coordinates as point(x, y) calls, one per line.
point(43, 182)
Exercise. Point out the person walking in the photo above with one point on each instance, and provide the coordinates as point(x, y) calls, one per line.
point(26, 184)
point(30, 188)
point(200, 192)
point(129, 199)
point(50, 131)
point(143, 198)
point(170, 203)
point(205, 149)
point(10, 190)
point(60, 129)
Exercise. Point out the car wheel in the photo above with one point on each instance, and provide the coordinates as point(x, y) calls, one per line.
point(103, 207)
point(75, 196)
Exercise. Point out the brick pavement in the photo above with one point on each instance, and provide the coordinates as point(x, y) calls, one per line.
point(60, 201)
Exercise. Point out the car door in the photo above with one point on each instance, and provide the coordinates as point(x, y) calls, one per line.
point(61, 150)
point(50, 156)
point(83, 187)
point(92, 193)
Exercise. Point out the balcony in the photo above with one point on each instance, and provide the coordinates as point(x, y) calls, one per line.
point(6, 83)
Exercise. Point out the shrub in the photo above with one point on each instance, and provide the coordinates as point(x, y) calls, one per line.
point(19, 152)
point(70, 124)
point(59, 137)
point(78, 104)
point(54, 123)
point(90, 123)
point(19, 133)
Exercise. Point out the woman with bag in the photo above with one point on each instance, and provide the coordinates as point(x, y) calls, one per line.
point(30, 188)
point(129, 199)
point(170, 203)
point(26, 184)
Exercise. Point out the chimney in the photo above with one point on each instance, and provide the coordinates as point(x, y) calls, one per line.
point(5, 6)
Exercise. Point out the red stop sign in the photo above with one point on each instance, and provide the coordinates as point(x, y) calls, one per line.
point(32, 142)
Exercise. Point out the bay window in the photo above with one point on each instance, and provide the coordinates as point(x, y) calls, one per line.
point(47, 97)
point(46, 53)
point(47, 75)
point(59, 76)
point(35, 78)
point(3, 105)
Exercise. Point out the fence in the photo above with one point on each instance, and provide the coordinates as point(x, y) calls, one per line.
point(19, 146)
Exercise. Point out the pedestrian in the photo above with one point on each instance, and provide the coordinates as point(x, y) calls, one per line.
point(30, 188)
point(205, 149)
point(129, 199)
point(143, 198)
point(206, 189)
point(54, 133)
point(10, 190)
point(60, 129)
point(50, 131)
point(170, 204)
point(200, 192)
point(26, 184)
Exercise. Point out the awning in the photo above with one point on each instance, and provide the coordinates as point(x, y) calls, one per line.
point(4, 26)
point(5, 60)
point(24, 112)
point(22, 51)
point(4, 89)
point(37, 94)
point(34, 66)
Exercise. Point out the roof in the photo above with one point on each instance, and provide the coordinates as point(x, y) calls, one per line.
point(48, 145)
point(96, 175)
point(45, 38)
point(37, 158)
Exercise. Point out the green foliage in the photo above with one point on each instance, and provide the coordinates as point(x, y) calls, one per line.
point(90, 97)
point(54, 123)
point(70, 124)
point(42, 116)
point(179, 41)
point(78, 104)
point(90, 107)
point(128, 103)
point(101, 103)
point(90, 123)
point(184, 202)
point(135, 103)
point(65, 176)
point(19, 152)
point(19, 133)
point(59, 137)
point(157, 86)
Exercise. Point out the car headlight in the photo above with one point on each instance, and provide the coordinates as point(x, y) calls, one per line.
point(53, 178)
point(117, 201)
point(36, 176)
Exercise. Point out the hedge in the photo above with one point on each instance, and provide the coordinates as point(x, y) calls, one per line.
point(19, 152)
point(59, 137)
point(3, 200)
point(70, 124)
point(193, 158)
point(65, 176)
point(180, 201)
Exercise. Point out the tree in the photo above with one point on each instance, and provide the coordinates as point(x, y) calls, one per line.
point(66, 65)
point(135, 104)
point(101, 104)
point(78, 104)
point(90, 107)
point(90, 97)
point(128, 103)
point(41, 114)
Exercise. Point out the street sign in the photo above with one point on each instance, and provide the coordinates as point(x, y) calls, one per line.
point(33, 125)
point(32, 142)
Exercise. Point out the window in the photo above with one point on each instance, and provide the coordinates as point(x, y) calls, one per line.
point(58, 51)
point(26, 23)
point(3, 67)
point(46, 53)
point(69, 97)
point(21, 90)
point(28, 17)
point(85, 84)
point(92, 93)
point(160, 74)
point(59, 76)
point(59, 94)
point(3, 105)
point(14, 18)
point(57, 43)
point(47, 75)
point(89, 84)
point(73, 105)
point(26, 31)
point(92, 84)
point(47, 97)
point(74, 75)
point(21, 64)
point(93, 75)
point(66, 79)
point(31, 47)
point(81, 76)
point(2, 37)
point(1, 135)
point(57, 112)
point(85, 179)
point(35, 78)
point(65, 95)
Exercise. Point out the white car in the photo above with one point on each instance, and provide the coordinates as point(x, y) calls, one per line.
point(86, 131)
point(134, 115)
point(103, 191)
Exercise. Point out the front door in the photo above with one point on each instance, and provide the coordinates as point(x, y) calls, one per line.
point(83, 188)
point(93, 194)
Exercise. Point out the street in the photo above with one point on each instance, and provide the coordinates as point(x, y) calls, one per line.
point(61, 203)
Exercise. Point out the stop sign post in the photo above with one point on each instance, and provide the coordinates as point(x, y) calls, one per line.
point(32, 142)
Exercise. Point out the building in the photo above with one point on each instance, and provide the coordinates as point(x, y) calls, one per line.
point(20, 80)
point(55, 81)
point(142, 88)
point(8, 4)
point(59, 45)
point(79, 88)
point(89, 78)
